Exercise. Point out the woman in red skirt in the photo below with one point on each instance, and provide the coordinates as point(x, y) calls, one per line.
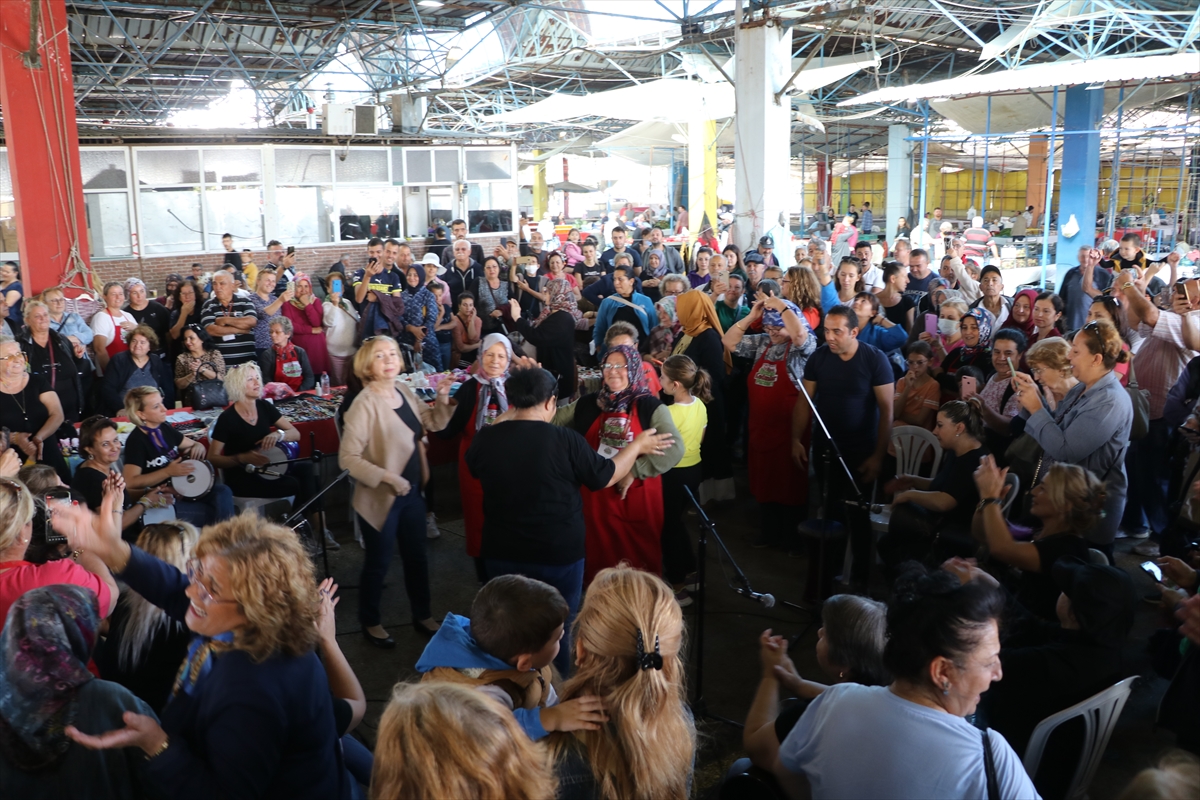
point(624, 521)
point(779, 355)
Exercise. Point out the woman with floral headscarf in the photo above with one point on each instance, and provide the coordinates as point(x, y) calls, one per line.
point(45, 686)
point(307, 315)
point(976, 331)
point(421, 314)
point(553, 333)
point(477, 404)
point(624, 521)
point(662, 338)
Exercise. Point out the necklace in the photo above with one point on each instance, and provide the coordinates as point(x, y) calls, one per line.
point(18, 398)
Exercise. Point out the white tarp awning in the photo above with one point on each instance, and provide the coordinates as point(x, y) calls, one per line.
point(666, 100)
point(1040, 76)
point(651, 143)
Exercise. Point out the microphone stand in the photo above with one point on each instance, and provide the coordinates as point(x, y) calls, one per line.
point(707, 528)
point(859, 501)
point(296, 520)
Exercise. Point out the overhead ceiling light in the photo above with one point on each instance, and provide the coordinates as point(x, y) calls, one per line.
point(430, 3)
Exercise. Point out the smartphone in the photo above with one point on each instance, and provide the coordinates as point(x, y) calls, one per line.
point(50, 498)
point(335, 286)
point(931, 322)
point(1012, 370)
point(1153, 570)
point(504, 241)
point(968, 387)
point(291, 251)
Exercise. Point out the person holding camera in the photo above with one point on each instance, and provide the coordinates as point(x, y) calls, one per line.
point(18, 533)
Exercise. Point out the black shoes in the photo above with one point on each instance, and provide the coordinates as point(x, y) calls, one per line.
point(383, 644)
point(424, 629)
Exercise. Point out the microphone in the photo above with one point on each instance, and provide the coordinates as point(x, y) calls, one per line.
point(767, 600)
point(255, 470)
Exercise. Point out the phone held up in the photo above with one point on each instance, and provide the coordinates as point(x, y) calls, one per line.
point(1153, 570)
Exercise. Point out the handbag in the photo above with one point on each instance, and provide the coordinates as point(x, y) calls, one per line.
point(1140, 399)
point(209, 394)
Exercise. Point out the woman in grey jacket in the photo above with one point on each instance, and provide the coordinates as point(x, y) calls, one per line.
point(1091, 426)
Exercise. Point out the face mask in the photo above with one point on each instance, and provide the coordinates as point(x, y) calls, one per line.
point(947, 327)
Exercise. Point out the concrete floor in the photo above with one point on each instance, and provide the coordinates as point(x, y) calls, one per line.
point(731, 666)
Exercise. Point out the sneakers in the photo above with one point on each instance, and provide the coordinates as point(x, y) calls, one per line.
point(1146, 549)
point(432, 531)
point(1141, 533)
point(692, 582)
point(330, 542)
point(683, 598)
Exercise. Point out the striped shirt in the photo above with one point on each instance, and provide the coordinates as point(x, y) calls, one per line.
point(235, 348)
point(1160, 358)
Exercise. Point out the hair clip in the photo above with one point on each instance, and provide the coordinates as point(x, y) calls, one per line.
point(648, 660)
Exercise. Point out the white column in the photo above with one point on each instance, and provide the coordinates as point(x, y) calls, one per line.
point(763, 129)
point(899, 177)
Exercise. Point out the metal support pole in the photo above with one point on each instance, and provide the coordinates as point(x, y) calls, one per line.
point(1179, 210)
point(1114, 183)
point(987, 146)
point(920, 215)
point(1049, 188)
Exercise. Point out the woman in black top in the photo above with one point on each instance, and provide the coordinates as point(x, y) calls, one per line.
point(29, 409)
point(144, 647)
point(52, 356)
point(553, 334)
point(247, 428)
point(98, 442)
point(137, 366)
point(1068, 502)
point(701, 343)
point(933, 515)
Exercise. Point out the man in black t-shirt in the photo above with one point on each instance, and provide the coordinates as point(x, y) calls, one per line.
point(851, 383)
point(531, 471)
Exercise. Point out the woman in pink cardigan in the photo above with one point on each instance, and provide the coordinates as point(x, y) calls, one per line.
point(307, 316)
point(381, 446)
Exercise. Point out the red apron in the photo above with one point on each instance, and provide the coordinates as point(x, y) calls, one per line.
point(117, 345)
point(774, 476)
point(469, 488)
point(622, 530)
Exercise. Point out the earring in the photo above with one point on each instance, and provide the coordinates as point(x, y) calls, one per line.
point(946, 687)
point(841, 675)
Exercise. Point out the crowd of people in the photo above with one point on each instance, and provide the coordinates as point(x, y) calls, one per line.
point(574, 498)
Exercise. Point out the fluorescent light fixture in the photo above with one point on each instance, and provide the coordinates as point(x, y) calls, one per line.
point(430, 3)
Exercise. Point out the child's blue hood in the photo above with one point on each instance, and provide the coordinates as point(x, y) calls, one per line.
point(452, 646)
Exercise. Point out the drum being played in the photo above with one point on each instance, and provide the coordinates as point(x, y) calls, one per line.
point(278, 455)
point(197, 483)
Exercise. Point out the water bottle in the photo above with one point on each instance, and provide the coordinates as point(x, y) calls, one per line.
point(324, 384)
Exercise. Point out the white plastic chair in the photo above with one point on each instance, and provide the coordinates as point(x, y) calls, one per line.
point(911, 443)
point(1097, 557)
point(1100, 714)
point(241, 504)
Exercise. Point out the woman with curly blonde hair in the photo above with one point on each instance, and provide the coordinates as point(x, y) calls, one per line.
point(629, 639)
point(250, 712)
point(447, 740)
point(800, 285)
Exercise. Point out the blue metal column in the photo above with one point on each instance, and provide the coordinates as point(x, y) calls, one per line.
point(1079, 185)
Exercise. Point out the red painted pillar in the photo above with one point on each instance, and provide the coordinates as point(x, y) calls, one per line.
point(822, 185)
point(38, 103)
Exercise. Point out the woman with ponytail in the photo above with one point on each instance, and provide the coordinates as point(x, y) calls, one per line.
point(1069, 502)
point(931, 517)
point(686, 384)
point(629, 641)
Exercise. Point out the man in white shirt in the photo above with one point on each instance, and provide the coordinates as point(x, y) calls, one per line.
point(872, 276)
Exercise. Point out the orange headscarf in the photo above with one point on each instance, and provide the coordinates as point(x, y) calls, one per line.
point(697, 314)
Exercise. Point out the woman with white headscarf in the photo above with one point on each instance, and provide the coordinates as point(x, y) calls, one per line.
point(478, 402)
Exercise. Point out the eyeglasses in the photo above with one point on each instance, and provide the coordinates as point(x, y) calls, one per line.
point(613, 367)
point(195, 571)
point(16, 357)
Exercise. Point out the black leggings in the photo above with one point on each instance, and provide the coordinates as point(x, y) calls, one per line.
point(299, 482)
point(678, 557)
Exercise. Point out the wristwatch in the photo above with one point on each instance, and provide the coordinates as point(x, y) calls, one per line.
point(987, 501)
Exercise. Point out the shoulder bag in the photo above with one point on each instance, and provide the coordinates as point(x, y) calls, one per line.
point(209, 394)
point(1140, 399)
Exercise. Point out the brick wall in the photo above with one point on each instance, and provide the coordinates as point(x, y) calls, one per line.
point(314, 260)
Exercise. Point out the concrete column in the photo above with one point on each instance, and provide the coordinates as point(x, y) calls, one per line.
point(701, 199)
point(763, 128)
point(38, 97)
point(1079, 181)
point(899, 176)
point(1035, 183)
